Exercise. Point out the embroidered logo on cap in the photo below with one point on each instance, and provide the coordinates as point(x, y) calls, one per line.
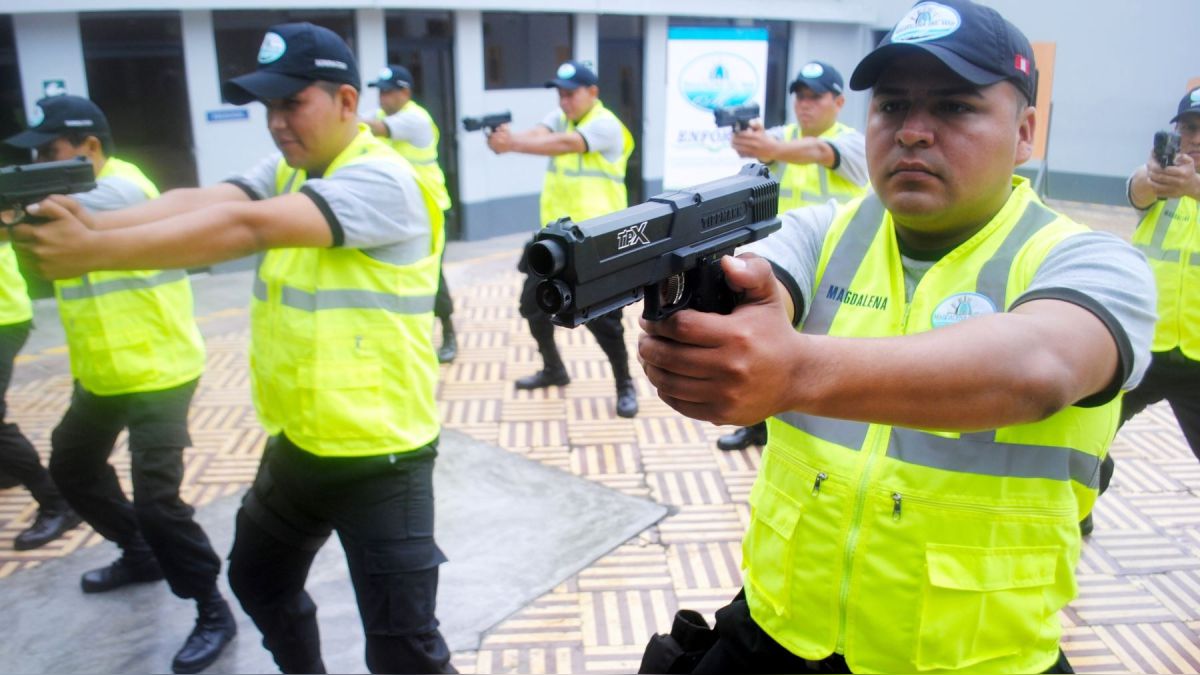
point(566, 71)
point(385, 74)
point(330, 63)
point(927, 21)
point(811, 71)
point(1021, 63)
point(272, 49)
point(37, 117)
point(1195, 97)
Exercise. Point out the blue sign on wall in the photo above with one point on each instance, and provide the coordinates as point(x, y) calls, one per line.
point(227, 114)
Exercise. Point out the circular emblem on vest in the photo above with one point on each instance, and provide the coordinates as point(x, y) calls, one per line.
point(565, 72)
point(926, 21)
point(272, 49)
point(385, 73)
point(960, 307)
point(812, 71)
point(37, 116)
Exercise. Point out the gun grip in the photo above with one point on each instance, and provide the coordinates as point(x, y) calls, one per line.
point(711, 293)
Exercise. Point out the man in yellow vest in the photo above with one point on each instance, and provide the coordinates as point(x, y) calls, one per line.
point(412, 132)
point(136, 356)
point(815, 159)
point(19, 461)
point(588, 149)
point(1169, 236)
point(943, 401)
point(343, 369)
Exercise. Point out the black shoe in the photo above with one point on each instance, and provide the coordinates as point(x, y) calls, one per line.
point(743, 438)
point(627, 403)
point(215, 628)
point(122, 573)
point(545, 378)
point(449, 348)
point(1086, 525)
point(7, 481)
point(48, 526)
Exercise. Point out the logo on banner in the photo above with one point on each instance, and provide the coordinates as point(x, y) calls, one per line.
point(960, 307)
point(718, 80)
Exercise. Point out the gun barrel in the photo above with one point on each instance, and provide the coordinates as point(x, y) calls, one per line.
point(546, 258)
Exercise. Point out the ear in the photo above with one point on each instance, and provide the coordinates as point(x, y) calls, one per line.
point(839, 101)
point(348, 100)
point(1026, 126)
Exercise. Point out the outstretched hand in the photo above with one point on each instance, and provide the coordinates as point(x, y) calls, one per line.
point(727, 369)
point(62, 246)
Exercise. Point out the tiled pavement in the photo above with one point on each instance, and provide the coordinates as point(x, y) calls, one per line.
point(1139, 604)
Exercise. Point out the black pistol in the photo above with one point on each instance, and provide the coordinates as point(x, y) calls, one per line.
point(1166, 146)
point(26, 184)
point(738, 116)
point(667, 250)
point(489, 122)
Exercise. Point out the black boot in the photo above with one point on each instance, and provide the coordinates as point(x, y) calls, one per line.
point(449, 348)
point(744, 437)
point(135, 569)
point(549, 377)
point(49, 525)
point(627, 403)
point(215, 628)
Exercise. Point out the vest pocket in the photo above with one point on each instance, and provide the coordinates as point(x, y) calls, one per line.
point(983, 603)
point(773, 519)
point(341, 399)
point(116, 360)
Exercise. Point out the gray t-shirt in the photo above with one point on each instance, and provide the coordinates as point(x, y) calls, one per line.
point(851, 149)
point(375, 206)
point(111, 193)
point(1094, 270)
point(409, 126)
point(602, 135)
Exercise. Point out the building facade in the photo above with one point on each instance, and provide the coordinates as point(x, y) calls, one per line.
point(156, 65)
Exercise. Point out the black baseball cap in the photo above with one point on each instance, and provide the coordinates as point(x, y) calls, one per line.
point(55, 116)
point(293, 56)
point(393, 77)
point(1190, 103)
point(972, 40)
point(820, 77)
point(573, 75)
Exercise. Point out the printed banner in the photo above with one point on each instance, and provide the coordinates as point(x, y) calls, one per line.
point(708, 68)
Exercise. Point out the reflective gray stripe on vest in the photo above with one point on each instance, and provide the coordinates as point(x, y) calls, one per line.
point(1154, 250)
point(422, 161)
point(839, 432)
point(843, 264)
point(1011, 460)
point(355, 299)
point(287, 187)
point(580, 172)
point(993, 276)
point(89, 290)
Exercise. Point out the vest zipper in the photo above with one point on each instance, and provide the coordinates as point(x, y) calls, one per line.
point(977, 508)
point(817, 483)
point(896, 498)
point(860, 500)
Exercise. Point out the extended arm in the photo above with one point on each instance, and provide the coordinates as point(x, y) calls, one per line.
point(757, 143)
point(536, 141)
point(65, 247)
point(168, 204)
point(991, 371)
point(1152, 182)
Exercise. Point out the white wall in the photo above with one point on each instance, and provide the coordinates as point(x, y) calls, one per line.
point(49, 48)
point(371, 28)
point(654, 99)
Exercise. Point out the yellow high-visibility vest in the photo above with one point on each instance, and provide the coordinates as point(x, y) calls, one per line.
point(341, 355)
point(585, 185)
point(1169, 237)
point(914, 550)
point(810, 184)
point(424, 160)
point(130, 331)
point(15, 306)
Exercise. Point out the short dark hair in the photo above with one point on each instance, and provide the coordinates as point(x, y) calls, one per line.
point(78, 137)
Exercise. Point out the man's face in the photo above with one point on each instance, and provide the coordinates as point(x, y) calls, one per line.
point(576, 103)
point(309, 126)
point(392, 100)
point(940, 150)
point(815, 113)
point(57, 150)
point(1188, 128)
